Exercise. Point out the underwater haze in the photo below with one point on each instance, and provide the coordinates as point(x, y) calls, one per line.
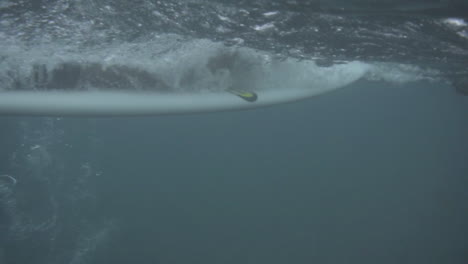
point(369, 174)
point(373, 172)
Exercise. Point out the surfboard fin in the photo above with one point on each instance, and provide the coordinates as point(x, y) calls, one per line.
point(246, 95)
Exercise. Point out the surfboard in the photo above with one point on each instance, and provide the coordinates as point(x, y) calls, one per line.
point(63, 103)
point(226, 81)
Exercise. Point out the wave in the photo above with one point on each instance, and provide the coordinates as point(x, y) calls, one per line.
point(169, 66)
point(165, 75)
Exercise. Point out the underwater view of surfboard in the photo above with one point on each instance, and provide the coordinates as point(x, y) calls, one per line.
point(209, 78)
point(121, 103)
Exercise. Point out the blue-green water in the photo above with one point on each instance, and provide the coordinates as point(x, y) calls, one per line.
point(372, 173)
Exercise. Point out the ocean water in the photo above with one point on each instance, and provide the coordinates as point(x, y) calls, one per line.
point(373, 172)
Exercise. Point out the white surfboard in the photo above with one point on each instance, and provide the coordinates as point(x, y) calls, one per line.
point(131, 104)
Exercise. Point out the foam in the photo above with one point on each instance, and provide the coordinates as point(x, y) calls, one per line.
point(194, 73)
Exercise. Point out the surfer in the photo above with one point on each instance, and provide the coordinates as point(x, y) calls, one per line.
point(233, 63)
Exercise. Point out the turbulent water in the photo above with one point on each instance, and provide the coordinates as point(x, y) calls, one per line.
point(161, 44)
point(50, 209)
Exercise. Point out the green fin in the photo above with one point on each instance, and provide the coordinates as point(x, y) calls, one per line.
point(248, 96)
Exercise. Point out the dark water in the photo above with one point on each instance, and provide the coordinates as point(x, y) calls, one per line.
point(375, 172)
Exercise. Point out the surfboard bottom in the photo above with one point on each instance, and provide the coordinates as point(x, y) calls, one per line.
point(53, 103)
